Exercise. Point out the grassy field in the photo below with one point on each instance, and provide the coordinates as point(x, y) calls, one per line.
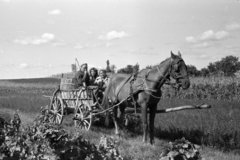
point(216, 129)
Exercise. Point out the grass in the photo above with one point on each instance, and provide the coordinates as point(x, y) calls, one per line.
point(216, 129)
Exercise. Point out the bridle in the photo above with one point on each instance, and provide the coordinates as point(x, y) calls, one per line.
point(171, 73)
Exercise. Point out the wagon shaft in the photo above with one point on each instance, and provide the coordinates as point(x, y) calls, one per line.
point(203, 106)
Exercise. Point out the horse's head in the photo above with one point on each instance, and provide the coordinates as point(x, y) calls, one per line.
point(178, 71)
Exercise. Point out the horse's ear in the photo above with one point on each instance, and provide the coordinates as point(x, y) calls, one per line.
point(179, 54)
point(172, 55)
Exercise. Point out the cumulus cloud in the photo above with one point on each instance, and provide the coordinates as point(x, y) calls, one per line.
point(54, 12)
point(207, 35)
point(113, 35)
point(221, 35)
point(233, 26)
point(191, 39)
point(46, 38)
point(206, 38)
point(211, 35)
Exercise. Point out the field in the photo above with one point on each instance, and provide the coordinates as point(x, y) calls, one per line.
point(216, 129)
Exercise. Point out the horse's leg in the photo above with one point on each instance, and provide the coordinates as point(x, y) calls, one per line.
point(115, 121)
point(144, 121)
point(152, 110)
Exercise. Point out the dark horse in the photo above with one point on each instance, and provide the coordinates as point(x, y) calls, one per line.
point(144, 90)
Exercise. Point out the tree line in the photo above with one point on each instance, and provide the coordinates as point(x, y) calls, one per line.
point(227, 66)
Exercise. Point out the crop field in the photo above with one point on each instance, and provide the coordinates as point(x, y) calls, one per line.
point(216, 129)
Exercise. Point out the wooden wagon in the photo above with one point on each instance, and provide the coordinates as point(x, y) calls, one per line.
point(68, 98)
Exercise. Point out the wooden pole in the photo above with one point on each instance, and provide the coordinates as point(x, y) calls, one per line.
point(77, 63)
point(203, 106)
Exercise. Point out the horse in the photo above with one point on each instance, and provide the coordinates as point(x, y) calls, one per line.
point(143, 90)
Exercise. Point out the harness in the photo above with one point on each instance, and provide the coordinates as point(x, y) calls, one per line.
point(165, 78)
point(145, 78)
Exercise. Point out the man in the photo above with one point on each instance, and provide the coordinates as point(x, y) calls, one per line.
point(82, 76)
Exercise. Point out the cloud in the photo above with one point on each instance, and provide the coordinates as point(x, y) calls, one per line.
point(191, 40)
point(55, 12)
point(221, 35)
point(113, 35)
point(211, 35)
point(207, 35)
point(233, 26)
point(6, 0)
point(206, 38)
point(46, 38)
point(23, 65)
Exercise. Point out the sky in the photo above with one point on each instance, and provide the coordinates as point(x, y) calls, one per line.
point(39, 38)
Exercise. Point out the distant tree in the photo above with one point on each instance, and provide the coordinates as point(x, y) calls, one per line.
point(229, 65)
point(74, 67)
point(204, 72)
point(226, 66)
point(192, 71)
point(136, 68)
point(148, 67)
point(129, 69)
point(212, 68)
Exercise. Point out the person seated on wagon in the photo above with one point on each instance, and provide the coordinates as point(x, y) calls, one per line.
point(102, 80)
point(82, 76)
point(93, 75)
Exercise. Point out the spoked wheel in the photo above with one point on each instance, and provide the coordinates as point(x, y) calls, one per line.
point(56, 110)
point(83, 116)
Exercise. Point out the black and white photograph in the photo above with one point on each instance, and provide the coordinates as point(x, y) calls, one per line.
point(119, 79)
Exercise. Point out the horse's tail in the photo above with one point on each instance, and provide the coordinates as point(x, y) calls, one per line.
point(105, 104)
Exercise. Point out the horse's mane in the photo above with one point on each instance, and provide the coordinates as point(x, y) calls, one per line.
point(164, 61)
point(154, 66)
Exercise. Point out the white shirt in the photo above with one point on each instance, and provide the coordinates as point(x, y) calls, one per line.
point(102, 80)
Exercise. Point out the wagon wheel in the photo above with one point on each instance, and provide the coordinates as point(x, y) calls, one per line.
point(56, 110)
point(83, 116)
